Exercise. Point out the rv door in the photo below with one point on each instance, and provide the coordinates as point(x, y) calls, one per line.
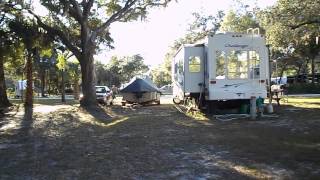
point(194, 69)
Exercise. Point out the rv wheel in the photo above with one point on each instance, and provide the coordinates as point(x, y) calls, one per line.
point(176, 100)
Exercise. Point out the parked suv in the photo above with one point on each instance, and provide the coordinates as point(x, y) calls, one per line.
point(104, 95)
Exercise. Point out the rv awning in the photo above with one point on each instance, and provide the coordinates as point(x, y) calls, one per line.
point(139, 85)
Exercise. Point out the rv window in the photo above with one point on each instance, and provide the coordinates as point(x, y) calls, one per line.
point(220, 70)
point(194, 64)
point(238, 65)
point(254, 60)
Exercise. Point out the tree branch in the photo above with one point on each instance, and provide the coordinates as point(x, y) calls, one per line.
point(2, 18)
point(304, 23)
point(141, 8)
point(86, 8)
point(115, 16)
point(123, 12)
point(59, 33)
point(76, 11)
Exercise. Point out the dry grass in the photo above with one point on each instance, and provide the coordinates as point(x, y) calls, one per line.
point(159, 142)
point(304, 102)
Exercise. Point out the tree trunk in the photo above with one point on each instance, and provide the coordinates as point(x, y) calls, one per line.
point(312, 70)
point(298, 72)
point(49, 83)
point(4, 102)
point(88, 80)
point(76, 89)
point(43, 81)
point(29, 91)
point(63, 95)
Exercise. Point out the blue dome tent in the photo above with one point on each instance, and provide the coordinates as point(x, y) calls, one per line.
point(140, 90)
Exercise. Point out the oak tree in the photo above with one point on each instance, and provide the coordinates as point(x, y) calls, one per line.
point(84, 25)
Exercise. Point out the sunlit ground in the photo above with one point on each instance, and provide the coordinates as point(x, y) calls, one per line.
point(303, 102)
point(159, 142)
point(50, 105)
point(46, 101)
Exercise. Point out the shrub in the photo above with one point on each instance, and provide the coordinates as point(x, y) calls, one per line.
point(304, 88)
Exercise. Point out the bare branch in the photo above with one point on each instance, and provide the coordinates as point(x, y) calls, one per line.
point(304, 23)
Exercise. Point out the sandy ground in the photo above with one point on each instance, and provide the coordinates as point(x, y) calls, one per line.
point(159, 142)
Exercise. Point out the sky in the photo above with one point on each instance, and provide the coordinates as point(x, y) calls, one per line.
point(153, 37)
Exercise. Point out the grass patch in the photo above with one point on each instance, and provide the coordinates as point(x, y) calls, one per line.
point(197, 115)
point(304, 102)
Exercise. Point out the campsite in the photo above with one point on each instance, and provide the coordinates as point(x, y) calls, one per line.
point(159, 142)
point(159, 89)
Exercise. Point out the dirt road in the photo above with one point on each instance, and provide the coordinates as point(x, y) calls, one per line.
point(158, 142)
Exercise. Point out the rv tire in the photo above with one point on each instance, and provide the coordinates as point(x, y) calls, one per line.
point(176, 100)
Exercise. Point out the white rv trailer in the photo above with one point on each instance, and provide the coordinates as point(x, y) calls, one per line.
point(228, 68)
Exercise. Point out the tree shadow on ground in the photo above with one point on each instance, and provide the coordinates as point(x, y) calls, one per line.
point(285, 142)
point(161, 143)
point(27, 121)
point(97, 112)
point(139, 148)
point(16, 141)
point(4, 110)
point(21, 121)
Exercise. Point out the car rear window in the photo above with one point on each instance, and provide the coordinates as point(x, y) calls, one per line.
point(101, 90)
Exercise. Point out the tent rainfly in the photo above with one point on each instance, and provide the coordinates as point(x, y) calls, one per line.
point(140, 91)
